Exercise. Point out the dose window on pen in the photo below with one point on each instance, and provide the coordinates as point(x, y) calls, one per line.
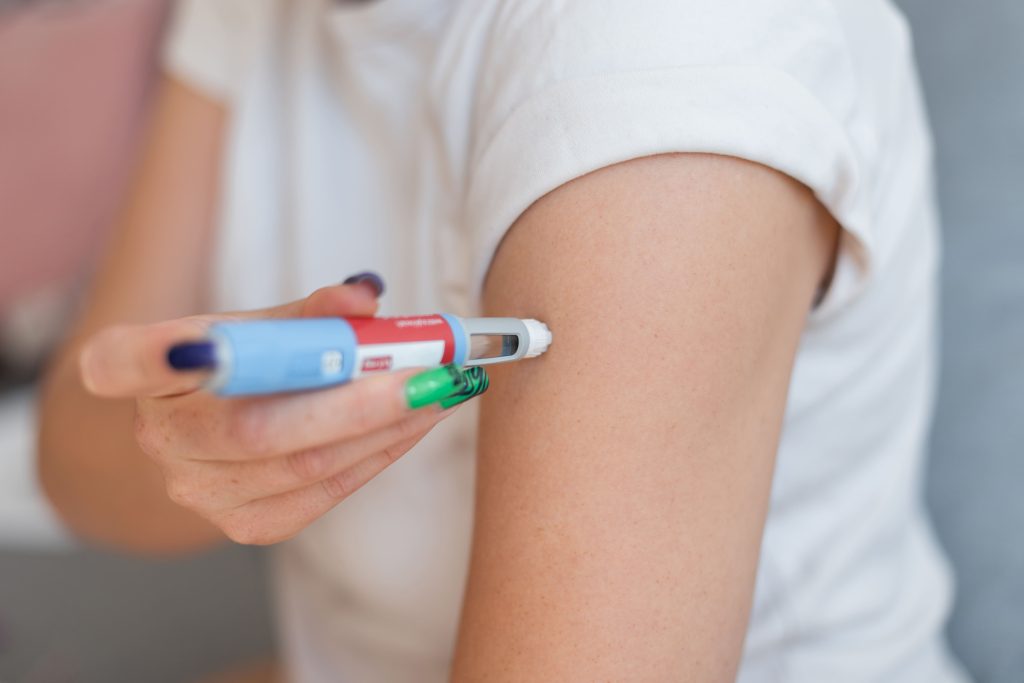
point(483, 346)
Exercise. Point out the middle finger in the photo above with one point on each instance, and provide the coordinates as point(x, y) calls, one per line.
point(241, 482)
point(279, 425)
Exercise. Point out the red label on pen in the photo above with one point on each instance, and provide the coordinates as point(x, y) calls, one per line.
point(420, 328)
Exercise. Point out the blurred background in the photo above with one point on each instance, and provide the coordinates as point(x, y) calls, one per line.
point(75, 79)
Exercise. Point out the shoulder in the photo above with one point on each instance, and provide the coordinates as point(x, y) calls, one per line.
point(565, 88)
point(702, 60)
point(823, 91)
point(816, 47)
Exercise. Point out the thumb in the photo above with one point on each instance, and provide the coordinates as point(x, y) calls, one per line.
point(132, 360)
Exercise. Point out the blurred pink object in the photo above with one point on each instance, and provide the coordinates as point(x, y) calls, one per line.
point(73, 83)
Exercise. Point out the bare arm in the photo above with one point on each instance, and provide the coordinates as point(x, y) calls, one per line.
point(624, 476)
point(162, 466)
point(90, 465)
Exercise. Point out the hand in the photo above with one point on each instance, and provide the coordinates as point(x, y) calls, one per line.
point(262, 469)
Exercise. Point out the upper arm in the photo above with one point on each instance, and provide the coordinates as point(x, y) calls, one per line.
point(624, 476)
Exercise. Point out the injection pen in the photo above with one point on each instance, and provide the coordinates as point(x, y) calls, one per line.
point(252, 357)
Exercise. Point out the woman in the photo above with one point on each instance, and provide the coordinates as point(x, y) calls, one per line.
point(722, 209)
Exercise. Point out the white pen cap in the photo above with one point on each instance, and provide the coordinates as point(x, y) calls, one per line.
point(540, 337)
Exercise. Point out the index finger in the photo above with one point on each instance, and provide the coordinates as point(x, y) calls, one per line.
point(131, 360)
point(278, 425)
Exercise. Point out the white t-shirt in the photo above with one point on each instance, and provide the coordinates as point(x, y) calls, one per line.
point(405, 136)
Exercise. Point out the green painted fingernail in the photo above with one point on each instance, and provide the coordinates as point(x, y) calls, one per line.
point(476, 383)
point(433, 385)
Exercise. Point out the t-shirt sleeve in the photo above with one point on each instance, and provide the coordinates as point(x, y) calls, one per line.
point(205, 43)
point(570, 87)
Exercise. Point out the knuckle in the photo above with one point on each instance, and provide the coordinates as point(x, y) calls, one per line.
point(338, 487)
point(394, 452)
point(181, 492)
point(417, 426)
point(410, 428)
point(244, 532)
point(238, 534)
point(308, 465)
point(243, 535)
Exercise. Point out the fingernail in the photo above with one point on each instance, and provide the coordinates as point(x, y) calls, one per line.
point(476, 383)
point(432, 386)
point(192, 356)
point(367, 278)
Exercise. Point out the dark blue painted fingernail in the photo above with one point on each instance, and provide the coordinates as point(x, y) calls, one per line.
point(368, 278)
point(192, 356)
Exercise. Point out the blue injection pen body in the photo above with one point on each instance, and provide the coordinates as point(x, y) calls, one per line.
point(319, 353)
point(254, 357)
